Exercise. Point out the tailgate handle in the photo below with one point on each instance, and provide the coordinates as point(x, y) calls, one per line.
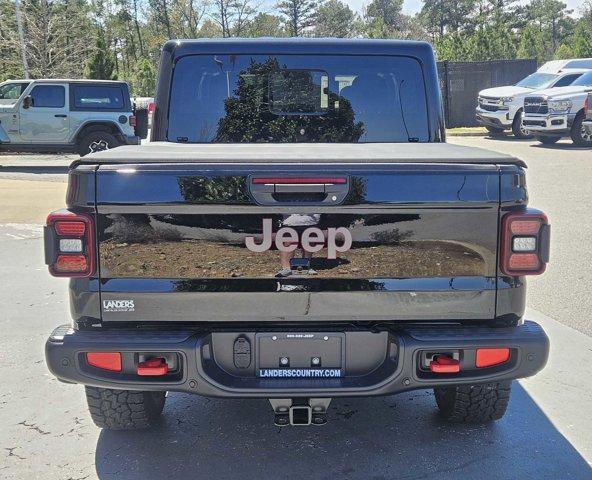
point(302, 190)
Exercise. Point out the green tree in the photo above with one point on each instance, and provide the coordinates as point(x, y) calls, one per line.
point(101, 64)
point(564, 51)
point(553, 20)
point(386, 12)
point(532, 44)
point(143, 81)
point(445, 16)
point(298, 15)
point(266, 25)
point(582, 39)
point(453, 47)
point(335, 19)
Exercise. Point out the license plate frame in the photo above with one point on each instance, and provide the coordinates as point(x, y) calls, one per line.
point(300, 348)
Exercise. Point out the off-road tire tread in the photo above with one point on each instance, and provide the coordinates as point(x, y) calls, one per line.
point(473, 403)
point(124, 409)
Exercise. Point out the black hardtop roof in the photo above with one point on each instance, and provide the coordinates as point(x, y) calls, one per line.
point(301, 153)
point(329, 46)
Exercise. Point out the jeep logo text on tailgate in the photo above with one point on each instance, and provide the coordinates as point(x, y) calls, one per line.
point(313, 240)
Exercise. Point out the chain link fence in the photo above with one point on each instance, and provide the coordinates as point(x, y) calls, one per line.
point(461, 82)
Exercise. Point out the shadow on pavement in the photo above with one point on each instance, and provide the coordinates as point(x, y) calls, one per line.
point(389, 437)
point(508, 138)
point(560, 146)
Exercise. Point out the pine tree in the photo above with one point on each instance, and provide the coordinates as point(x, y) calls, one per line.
point(298, 15)
point(582, 39)
point(334, 19)
point(101, 64)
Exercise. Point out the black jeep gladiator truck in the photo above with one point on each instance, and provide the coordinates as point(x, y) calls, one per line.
point(297, 230)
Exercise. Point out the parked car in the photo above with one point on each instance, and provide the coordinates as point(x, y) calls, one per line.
point(501, 108)
point(81, 116)
point(412, 253)
point(588, 109)
point(559, 112)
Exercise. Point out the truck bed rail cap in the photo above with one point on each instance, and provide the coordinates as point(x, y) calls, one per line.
point(354, 153)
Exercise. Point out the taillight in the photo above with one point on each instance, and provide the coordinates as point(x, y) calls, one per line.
point(69, 244)
point(132, 120)
point(151, 107)
point(524, 243)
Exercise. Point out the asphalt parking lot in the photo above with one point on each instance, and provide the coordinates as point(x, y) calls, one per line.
point(46, 432)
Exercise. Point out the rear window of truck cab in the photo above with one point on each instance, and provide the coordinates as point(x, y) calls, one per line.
point(297, 98)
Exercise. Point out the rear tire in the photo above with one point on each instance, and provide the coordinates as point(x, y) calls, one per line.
point(97, 142)
point(518, 129)
point(579, 137)
point(548, 140)
point(124, 409)
point(473, 403)
point(494, 132)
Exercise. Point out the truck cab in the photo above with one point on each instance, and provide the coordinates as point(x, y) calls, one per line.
point(297, 230)
point(65, 115)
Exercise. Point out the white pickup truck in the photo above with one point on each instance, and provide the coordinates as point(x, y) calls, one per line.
point(501, 108)
point(559, 112)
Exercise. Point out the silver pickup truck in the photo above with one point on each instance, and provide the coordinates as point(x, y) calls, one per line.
point(82, 116)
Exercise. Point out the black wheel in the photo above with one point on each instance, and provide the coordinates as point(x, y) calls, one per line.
point(494, 132)
point(548, 140)
point(473, 403)
point(518, 129)
point(96, 142)
point(578, 134)
point(124, 409)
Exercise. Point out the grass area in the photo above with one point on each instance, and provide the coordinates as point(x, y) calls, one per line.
point(466, 132)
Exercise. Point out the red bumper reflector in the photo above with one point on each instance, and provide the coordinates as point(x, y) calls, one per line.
point(71, 263)
point(444, 364)
point(298, 180)
point(105, 360)
point(487, 357)
point(155, 367)
point(76, 229)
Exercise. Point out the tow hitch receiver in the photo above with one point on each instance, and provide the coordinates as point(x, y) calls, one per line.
point(444, 364)
point(300, 411)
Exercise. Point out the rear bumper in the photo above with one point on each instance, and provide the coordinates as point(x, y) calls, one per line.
point(199, 367)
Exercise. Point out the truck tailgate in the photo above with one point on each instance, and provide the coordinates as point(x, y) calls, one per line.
point(173, 242)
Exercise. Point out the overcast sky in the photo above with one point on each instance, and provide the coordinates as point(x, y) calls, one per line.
point(413, 6)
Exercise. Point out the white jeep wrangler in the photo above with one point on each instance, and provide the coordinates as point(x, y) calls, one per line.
point(82, 116)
